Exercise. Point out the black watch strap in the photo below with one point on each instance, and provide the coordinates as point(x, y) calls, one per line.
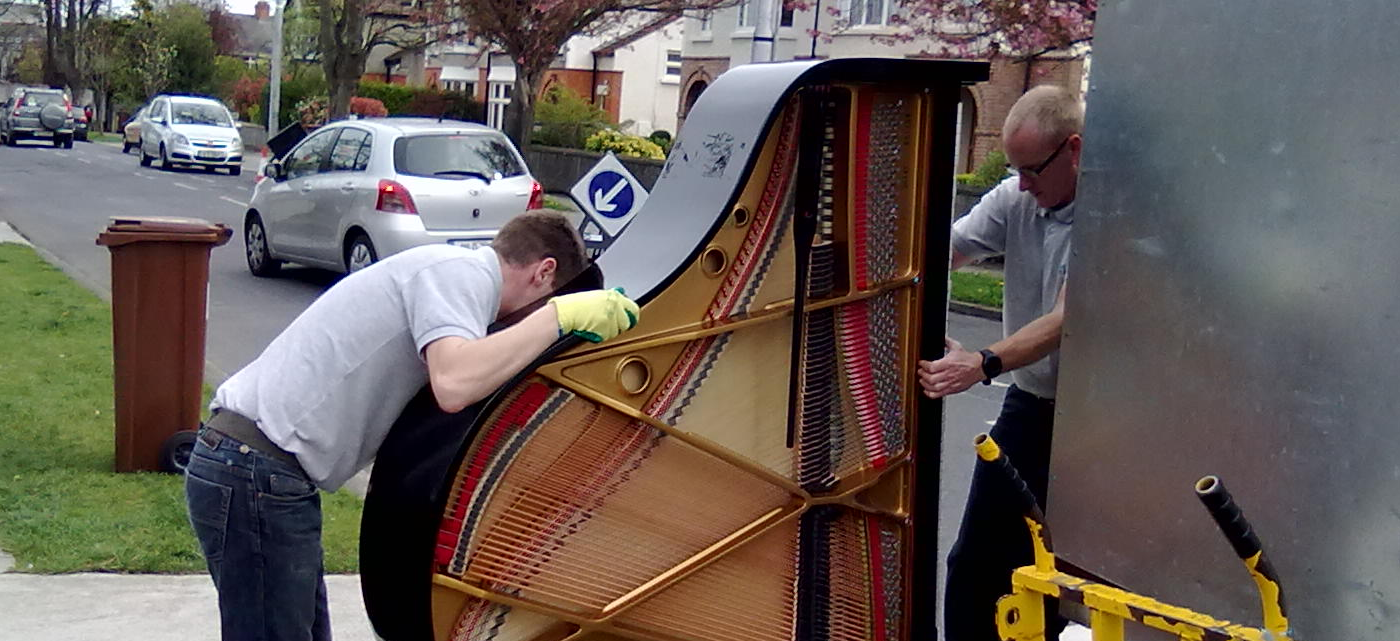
point(991, 365)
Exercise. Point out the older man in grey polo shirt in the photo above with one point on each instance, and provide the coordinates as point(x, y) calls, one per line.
point(1027, 219)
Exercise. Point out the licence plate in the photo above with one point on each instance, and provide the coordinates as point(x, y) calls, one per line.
point(469, 244)
point(212, 155)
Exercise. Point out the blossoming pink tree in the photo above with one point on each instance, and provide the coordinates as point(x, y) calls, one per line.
point(1018, 28)
point(532, 33)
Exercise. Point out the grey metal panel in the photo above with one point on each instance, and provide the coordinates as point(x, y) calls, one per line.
point(715, 151)
point(1233, 308)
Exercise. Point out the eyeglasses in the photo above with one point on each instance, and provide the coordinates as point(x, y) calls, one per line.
point(1035, 173)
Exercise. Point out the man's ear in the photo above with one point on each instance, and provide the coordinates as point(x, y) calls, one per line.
point(544, 271)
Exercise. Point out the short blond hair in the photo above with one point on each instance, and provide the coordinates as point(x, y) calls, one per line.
point(1052, 110)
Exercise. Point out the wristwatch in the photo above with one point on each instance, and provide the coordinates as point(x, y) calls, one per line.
point(991, 365)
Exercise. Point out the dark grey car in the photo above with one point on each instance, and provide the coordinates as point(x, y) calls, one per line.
point(44, 114)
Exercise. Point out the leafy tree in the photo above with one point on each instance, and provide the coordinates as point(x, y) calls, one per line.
point(532, 32)
point(101, 62)
point(29, 68)
point(64, 22)
point(185, 29)
point(350, 29)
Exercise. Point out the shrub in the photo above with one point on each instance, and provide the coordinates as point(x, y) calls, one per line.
point(988, 174)
point(565, 119)
point(394, 97)
point(246, 94)
point(306, 83)
point(313, 111)
point(367, 107)
point(400, 100)
point(662, 138)
point(623, 144)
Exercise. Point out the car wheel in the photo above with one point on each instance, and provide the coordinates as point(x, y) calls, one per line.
point(359, 253)
point(68, 142)
point(58, 142)
point(164, 159)
point(235, 171)
point(145, 159)
point(260, 260)
point(126, 147)
point(209, 169)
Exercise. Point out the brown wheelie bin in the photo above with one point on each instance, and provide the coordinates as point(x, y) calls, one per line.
point(160, 285)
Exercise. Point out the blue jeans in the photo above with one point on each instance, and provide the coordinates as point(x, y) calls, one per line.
point(258, 521)
point(993, 540)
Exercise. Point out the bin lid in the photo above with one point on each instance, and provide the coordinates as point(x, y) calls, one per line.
point(136, 229)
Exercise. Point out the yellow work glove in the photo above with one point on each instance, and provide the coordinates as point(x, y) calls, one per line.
point(595, 315)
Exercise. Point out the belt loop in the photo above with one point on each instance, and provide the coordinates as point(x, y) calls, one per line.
point(211, 438)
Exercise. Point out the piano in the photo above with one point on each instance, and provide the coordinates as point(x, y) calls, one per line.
point(753, 461)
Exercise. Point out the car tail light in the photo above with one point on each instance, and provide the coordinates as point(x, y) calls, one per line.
point(536, 196)
point(261, 167)
point(394, 198)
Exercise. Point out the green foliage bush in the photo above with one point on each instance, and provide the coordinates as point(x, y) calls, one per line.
point(565, 119)
point(988, 174)
point(307, 83)
point(394, 97)
point(401, 100)
point(623, 144)
point(663, 139)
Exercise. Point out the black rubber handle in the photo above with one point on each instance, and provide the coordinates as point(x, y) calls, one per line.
point(1228, 516)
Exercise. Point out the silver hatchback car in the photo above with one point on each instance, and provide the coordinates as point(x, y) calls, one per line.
point(355, 191)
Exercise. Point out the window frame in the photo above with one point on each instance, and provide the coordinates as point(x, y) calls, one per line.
point(330, 134)
point(360, 159)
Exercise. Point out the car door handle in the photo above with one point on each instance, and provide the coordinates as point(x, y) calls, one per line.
point(347, 187)
point(305, 187)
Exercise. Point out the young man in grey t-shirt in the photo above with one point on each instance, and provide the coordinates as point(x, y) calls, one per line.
point(315, 406)
point(1027, 219)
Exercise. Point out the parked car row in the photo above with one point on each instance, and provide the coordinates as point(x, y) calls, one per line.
point(339, 197)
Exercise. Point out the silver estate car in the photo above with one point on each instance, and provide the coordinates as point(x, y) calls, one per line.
point(354, 191)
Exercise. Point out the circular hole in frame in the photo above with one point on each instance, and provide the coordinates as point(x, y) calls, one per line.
point(713, 261)
point(741, 216)
point(634, 375)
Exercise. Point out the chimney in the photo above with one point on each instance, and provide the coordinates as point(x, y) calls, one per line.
point(262, 10)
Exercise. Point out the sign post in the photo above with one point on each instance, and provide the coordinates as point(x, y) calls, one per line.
point(610, 196)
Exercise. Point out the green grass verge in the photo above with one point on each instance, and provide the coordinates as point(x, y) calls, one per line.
point(977, 288)
point(62, 509)
point(550, 202)
point(97, 136)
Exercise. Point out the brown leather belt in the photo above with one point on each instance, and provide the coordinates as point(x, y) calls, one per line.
point(241, 428)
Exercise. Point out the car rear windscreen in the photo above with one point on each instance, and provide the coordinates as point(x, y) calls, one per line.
point(457, 156)
point(41, 98)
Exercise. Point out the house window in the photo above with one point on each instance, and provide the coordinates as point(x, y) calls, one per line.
point(785, 18)
point(673, 64)
point(868, 12)
point(743, 9)
point(706, 17)
point(496, 104)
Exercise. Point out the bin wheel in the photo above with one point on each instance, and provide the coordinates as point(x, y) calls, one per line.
point(175, 453)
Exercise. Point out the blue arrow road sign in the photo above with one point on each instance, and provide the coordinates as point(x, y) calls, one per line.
point(611, 194)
